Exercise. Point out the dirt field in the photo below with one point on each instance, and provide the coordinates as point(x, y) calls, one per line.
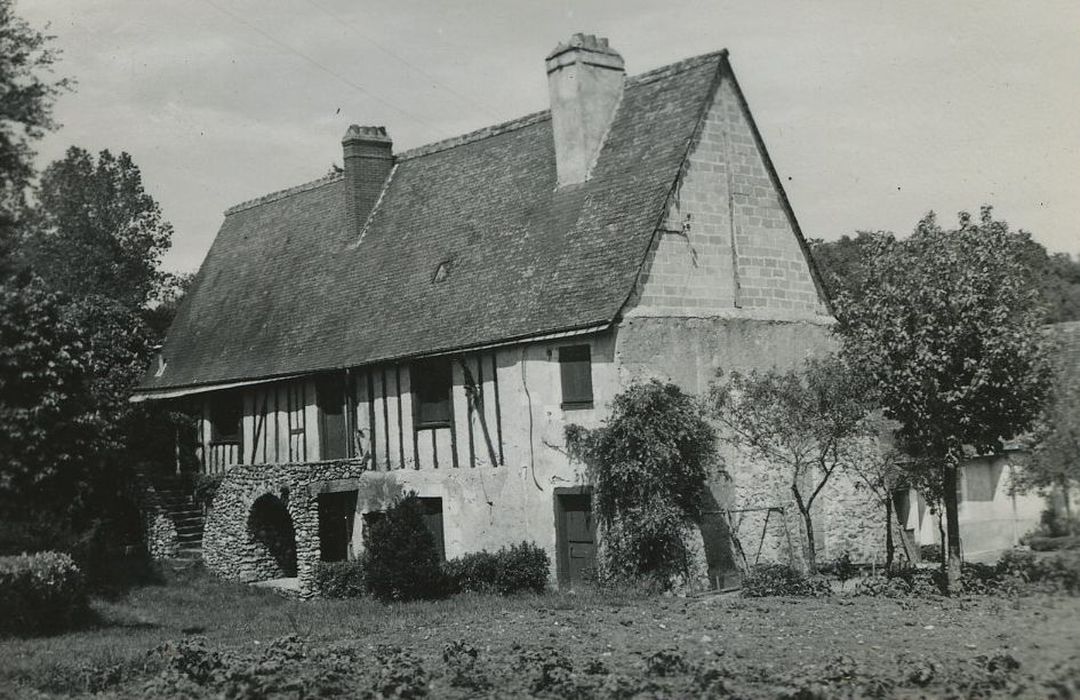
point(197, 637)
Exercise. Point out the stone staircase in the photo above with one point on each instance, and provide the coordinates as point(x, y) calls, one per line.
point(176, 496)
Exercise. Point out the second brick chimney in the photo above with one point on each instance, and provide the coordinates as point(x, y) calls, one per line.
point(585, 84)
point(369, 157)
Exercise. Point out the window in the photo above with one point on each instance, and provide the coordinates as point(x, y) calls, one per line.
point(225, 412)
point(431, 382)
point(575, 370)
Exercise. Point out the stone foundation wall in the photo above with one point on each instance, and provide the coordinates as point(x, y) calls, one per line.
point(233, 552)
point(159, 530)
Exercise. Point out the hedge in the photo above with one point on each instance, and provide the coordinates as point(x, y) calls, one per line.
point(521, 567)
point(40, 593)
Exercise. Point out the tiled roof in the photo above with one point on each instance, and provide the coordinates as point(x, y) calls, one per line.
point(287, 287)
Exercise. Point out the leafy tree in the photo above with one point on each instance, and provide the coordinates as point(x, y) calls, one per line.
point(1053, 461)
point(27, 94)
point(648, 465)
point(1057, 276)
point(96, 232)
point(947, 330)
point(804, 424)
point(50, 425)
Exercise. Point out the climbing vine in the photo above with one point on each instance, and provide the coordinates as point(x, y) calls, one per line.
point(648, 465)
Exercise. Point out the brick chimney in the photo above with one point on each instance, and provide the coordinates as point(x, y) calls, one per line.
point(585, 84)
point(369, 156)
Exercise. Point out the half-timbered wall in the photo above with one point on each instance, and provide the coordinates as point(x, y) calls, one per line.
point(385, 415)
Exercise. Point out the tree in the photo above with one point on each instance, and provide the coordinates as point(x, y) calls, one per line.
point(50, 425)
point(1054, 458)
point(804, 425)
point(946, 328)
point(96, 232)
point(648, 464)
point(1057, 276)
point(27, 94)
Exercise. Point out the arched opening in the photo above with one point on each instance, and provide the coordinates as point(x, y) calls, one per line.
point(271, 529)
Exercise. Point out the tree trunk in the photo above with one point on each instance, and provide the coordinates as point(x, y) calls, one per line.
point(889, 547)
point(952, 529)
point(811, 548)
point(1069, 524)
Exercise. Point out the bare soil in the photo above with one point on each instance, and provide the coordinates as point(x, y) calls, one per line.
point(198, 637)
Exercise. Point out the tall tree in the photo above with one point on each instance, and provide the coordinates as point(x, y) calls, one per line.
point(28, 90)
point(97, 232)
point(804, 424)
point(947, 328)
point(1057, 275)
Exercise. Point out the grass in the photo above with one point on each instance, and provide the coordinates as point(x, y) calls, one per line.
point(587, 643)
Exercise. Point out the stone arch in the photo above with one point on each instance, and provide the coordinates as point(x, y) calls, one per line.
point(270, 530)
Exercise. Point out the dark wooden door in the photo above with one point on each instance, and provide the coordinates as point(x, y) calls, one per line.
point(333, 431)
point(576, 537)
point(336, 514)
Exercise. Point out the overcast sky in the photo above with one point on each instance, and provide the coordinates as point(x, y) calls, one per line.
point(873, 112)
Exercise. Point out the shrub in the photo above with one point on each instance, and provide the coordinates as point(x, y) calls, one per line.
point(521, 567)
point(340, 579)
point(765, 580)
point(930, 553)
point(40, 593)
point(400, 560)
point(1057, 573)
point(205, 488)
point(648, 464)
point(1053, 544)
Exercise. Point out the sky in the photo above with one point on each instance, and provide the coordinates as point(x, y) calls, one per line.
point(873, 112)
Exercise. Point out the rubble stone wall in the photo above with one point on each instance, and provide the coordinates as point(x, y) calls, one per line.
point(233, 551)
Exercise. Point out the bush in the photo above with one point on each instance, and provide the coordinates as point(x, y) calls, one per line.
point(205, 488)
point(1057, 573)
point(400, 560)
point(1053, 544)
point(930, 553)
point(766, 580)
point(521, 567)
point(40, 593)
point(648, 464)
point(340, 579)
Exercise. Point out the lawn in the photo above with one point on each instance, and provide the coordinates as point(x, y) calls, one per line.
point(560, 644)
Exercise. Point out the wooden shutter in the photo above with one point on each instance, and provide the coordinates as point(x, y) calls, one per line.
point(575, 370)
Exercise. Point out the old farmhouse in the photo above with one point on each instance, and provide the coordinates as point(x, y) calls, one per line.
point(431, 320)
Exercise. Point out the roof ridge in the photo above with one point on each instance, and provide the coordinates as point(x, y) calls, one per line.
point(287, 192)
point(485, 132)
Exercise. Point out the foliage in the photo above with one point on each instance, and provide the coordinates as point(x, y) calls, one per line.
point(648, 465)
point(40, 593)
point(765, 580)
point(96, 232)
point(205, 488)
point(1057, 275)
point(29, 91)
point(946, 329)
point(803, 424)
point(340, 579)
point(400, 559)
point(520, 568)
point(930, 552)
point(50, 425)
point(1052, 544)
point(1052, 463)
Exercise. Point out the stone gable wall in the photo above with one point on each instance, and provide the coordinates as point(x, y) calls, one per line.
point(726, 242)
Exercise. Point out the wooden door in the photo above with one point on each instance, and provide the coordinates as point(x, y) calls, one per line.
point(333, 430)
point(576, 537)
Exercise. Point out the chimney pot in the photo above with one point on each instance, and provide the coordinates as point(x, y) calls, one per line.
point(585, 84)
